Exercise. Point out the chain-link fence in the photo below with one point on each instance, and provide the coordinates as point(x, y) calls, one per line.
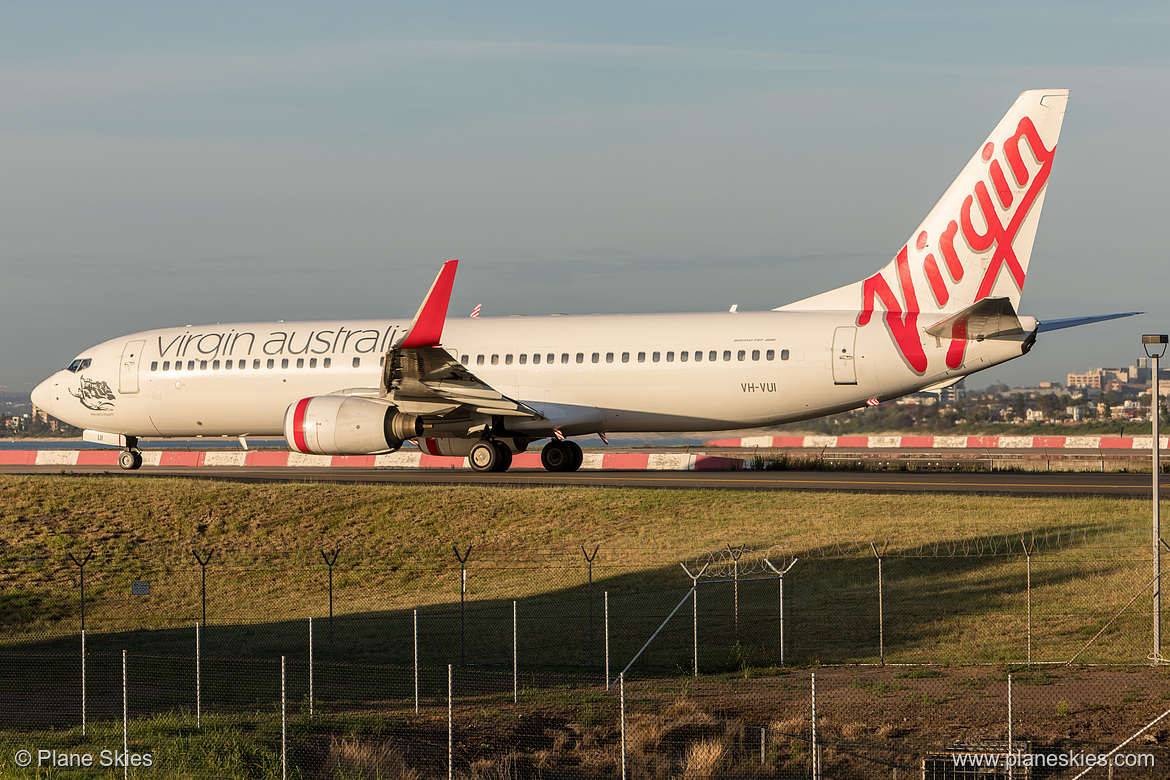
point(832, 658)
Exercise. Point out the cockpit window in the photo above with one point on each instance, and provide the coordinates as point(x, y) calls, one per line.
point(79, 365)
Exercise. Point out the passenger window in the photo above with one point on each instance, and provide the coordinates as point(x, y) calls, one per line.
point(727, 354)
point(641, 357)
point(507, 360)
point(770, 354)
point(284, 362)
point(202, 365)
point(215, 365)
point(783, 354)
point(669, 357)
point(698, 356)
point(549, 358)
point(300, 362)
point(154, 365)
point(255, 364)
point(227, 364)
point(564, 357)
point(596, 357)
point(713, 356)
point(327, 362)
point(608, 357)
point(625, 357)
point(523, 358)
point(755, 354)
point(495, 360)
point(479, 360)
point(382, 361)
point(464, 359)
point(580, 357)
point(271, 363)
point(166, 365)
point(682, 356)
point(656, 357)
point(740, 355)
point(536, 359)
point(357, 361)
point(312, 362)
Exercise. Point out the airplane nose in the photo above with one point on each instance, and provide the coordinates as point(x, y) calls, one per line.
point(42, 395)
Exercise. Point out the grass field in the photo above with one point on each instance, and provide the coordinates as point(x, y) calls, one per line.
point(954, 592)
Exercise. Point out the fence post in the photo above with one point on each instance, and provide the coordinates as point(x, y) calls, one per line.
point(329, 562)
point(450, 728)
point(203, 565)
point(607, 640)
point(622, 687)
point(283, 725)
point(695, 605)
point(1028, 548)
point(462, 596)
point(83, 682)
point(881, 603)
point(81, 565)
point(125, 718)
point(589, 560)
point(515, 655)
point(735, 556)
point(816, 758)
point(1010, 746)
point(310, 666)
point(198, 682)
point(780, 605)
point(416, 662)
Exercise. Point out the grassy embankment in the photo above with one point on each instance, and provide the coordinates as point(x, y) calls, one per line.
point(958, 604)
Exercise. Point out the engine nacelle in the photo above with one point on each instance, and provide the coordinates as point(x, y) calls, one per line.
point(347, 425)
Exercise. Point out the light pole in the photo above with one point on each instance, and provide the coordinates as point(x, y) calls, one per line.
point(1155, 346)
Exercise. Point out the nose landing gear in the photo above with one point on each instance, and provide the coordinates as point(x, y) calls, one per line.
point(130, 458)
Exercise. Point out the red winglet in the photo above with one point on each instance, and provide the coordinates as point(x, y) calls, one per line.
point(427, 328)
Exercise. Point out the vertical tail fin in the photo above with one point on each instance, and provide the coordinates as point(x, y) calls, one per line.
point(977, 240)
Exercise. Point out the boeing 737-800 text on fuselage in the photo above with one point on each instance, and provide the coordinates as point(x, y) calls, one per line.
point(485, 388)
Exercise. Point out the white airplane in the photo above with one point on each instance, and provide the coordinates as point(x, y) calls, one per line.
point(485, 388)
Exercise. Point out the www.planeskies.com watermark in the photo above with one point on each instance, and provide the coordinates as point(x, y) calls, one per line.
point(1070, 759)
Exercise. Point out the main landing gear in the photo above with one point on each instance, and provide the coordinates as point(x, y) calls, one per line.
point(489, 455)
point(561, 455)
point(130, 458)
point(557, 455)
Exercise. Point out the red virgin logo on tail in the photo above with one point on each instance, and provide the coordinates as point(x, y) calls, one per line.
point(901, 307)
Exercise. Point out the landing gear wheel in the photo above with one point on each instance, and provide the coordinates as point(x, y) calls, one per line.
point(129, 460)
point(561, 456)
point(578, 456)
point(484, 456)
point(505, 456)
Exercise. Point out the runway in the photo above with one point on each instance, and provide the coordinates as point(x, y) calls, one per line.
point(987, 483)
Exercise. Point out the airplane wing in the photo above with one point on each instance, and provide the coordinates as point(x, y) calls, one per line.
point(420, 377)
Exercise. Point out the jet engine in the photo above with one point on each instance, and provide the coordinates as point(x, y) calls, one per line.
point(347, 425)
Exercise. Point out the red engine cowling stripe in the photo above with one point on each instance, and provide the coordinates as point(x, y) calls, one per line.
point(432, 446)
point(298, 426)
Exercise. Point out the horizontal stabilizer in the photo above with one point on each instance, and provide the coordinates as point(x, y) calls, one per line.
point(1072, 322)
point(985, 319)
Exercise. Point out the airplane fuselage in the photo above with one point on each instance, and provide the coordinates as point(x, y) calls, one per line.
point(586, 374)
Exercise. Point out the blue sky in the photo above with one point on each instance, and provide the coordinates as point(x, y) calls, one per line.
point(172, 164)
